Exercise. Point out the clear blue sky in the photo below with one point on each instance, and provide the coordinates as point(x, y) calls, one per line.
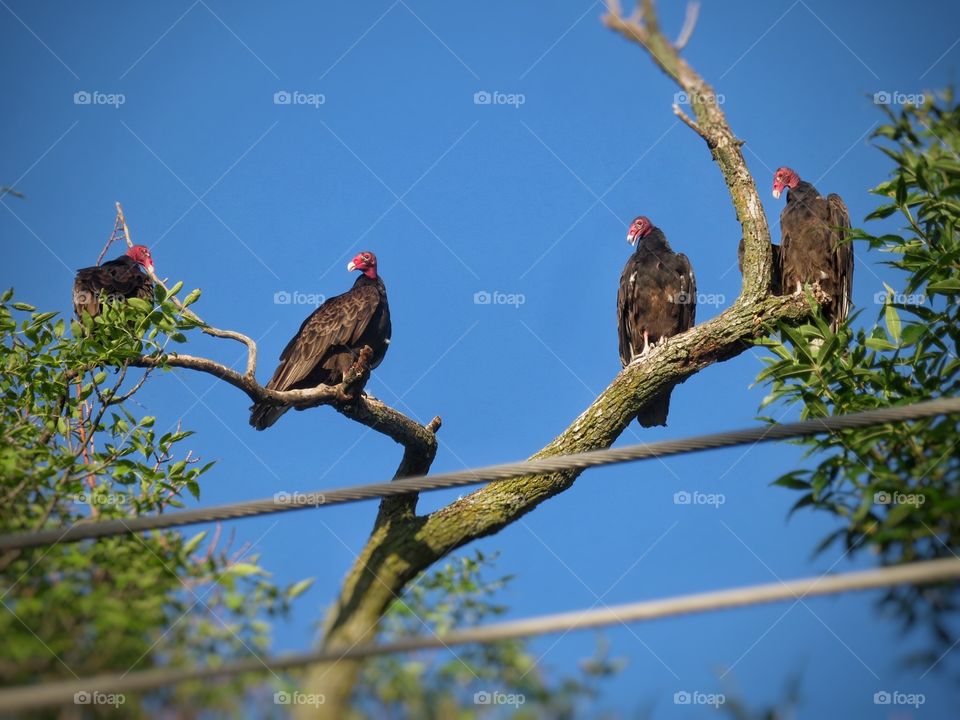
point(246, 198)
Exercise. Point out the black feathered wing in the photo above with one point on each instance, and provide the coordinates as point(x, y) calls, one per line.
point(843, 259)
point(339, 322)
point(326, 344)
point(688, 292)
point(117, 279)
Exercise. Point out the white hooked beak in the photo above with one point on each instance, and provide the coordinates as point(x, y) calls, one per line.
point(351, 267)
point(776, 193)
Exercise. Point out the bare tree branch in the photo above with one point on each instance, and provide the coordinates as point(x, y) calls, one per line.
point(689, 24)
point(642, 28)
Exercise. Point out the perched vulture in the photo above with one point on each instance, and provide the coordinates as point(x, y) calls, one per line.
point(657, 299)
point(813, 251)
point(115, 280)
point(330, 340)
point(775, 285)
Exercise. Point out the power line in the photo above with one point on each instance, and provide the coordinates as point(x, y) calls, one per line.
point(282, 502)
point(57, 693)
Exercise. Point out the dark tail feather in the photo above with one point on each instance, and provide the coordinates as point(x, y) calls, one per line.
point(655, 412)
point(263, 415)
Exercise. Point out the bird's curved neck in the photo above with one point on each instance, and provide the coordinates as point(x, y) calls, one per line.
point(802, 189)
point(654, 238)
point(368, 277)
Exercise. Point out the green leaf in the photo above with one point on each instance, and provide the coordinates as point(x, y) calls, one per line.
point(191, 298)
point(950, 285)
point(245, 569)
point(893, 322)
point(193, 542)
point(882, 212)
point(140, 304)
point(879, 344)
point(299, 588)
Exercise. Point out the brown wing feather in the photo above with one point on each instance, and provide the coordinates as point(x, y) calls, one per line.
point(341, 320)
point(843, 256)
point(688, 289)
point(116, 279)
point(623, 332)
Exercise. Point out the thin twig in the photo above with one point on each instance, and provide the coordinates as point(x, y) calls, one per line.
point(689, 24)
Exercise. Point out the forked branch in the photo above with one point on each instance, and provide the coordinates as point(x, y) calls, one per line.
point(404, 544)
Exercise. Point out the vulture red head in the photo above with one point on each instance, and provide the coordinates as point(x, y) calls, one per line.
point(639, 228)
point(365, 262)
point(784, 178)
point(140, 254)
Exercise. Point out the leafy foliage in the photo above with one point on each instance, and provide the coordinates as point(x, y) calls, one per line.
point(71, 449)
point(897, 486)
point(428, 685)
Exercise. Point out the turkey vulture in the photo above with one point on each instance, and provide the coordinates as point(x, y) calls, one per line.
point(330, 340)
point(775, 285)
point(657, 299)
point(115, 280)
point(813, 251)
